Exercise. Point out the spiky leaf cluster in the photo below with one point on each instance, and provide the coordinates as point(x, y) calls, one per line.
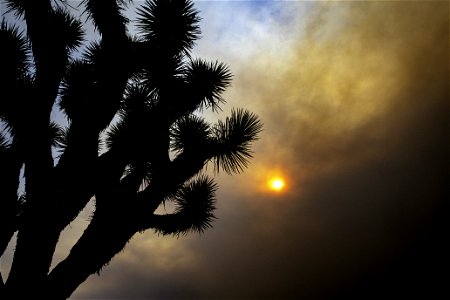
point(195, 204)
point(207, 81)
point(102, 15)
point(190, 133)
point(135, 119)
point(15, 77)
point(77, 88)
point(234, 137)
point(68, 28)
point(15, 58)
point(170, 25)
point(3, 142)
point(16, 6)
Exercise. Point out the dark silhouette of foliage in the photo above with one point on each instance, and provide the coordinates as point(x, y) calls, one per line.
point(135, 138)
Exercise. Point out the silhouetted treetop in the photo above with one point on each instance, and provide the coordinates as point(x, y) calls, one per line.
point(133, 136)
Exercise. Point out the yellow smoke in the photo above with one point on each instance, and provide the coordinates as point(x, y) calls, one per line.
point(347, 88)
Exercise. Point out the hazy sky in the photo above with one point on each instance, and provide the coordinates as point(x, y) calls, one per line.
point(354, 97)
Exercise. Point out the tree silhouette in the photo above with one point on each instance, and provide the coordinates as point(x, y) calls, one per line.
point(135, 137)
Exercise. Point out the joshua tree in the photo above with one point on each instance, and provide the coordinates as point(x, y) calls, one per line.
point(134, 140)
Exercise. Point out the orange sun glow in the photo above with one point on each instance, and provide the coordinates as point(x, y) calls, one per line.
point(276, 184)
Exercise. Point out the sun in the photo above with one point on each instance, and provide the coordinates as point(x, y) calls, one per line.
point(276, 184)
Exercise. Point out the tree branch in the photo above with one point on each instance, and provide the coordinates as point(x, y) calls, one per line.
point(105, 236)
point(76, 172)
point(103, 239)
point(9, 177)
point(113, 67)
